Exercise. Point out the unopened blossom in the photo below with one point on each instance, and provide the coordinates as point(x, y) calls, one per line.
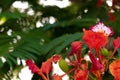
point(76, 46)
point(97, 68)
point(95, 63)
point(100, 27)
point(114, 68)
point(95, 40)
point(81, 75)
point(32, 66)
point(56, 58)
point(116, 42)
point(35, 69)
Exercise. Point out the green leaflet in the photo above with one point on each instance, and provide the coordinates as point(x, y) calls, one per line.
point(59, 44)
point(1, 63)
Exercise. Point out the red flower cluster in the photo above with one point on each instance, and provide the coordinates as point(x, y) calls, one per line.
point(96, 38)
point(45, 68)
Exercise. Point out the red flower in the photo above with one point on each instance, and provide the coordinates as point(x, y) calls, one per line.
point(81, 75)
point(76, 46)
point(32, 66)
point(114, 68)
point(95, 39)
point(47, 66)
point(116, 43)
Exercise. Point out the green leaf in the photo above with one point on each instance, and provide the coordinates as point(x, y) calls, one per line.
point(1, 63)
point(11, 15)
point(68, 40)
point(68, 23)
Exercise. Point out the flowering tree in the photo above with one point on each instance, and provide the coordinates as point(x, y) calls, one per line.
point(31, 29)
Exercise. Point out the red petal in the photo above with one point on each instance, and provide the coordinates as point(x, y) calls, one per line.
point(47, 66)
point(114, 68)
point(81, 75)
point(95, 39)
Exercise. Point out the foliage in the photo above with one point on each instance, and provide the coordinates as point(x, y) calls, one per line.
point(28, 41)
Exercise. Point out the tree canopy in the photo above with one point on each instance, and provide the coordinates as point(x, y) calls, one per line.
point(39, 31)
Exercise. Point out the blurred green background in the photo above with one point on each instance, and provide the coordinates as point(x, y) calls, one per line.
point(29, 29)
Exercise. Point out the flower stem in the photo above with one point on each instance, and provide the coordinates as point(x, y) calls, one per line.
point(79, 56)
point(92, 78)
point(68, 72)
point(75, 57)
point(113, 53)
point(99, 56)
point(42, 75)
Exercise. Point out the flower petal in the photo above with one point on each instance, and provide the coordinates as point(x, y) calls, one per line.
point(95, 39)
point(81, 75)
point(47, 66)
point(114, 68)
